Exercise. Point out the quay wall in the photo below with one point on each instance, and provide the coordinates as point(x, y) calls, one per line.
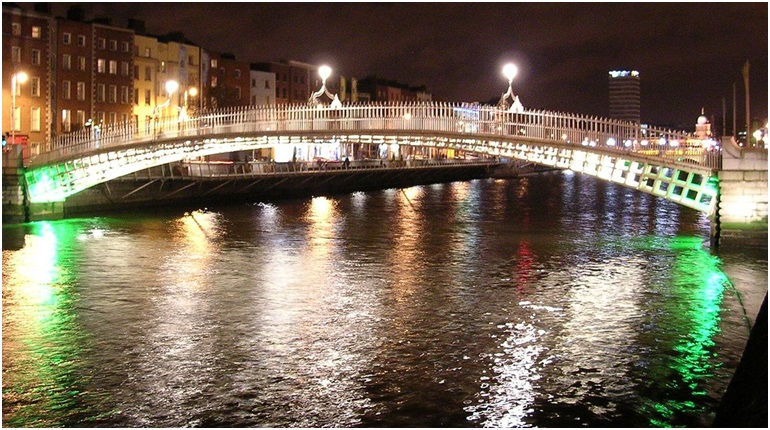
point(741, 218)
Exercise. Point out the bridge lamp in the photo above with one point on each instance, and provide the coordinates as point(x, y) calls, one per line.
point(510, 71)
point(674, 143)
point(18, 78)
point(662, 141)
point(645, 142)
point(611, 141)
point(628, 143)
point(564, 136)
point(171, 87)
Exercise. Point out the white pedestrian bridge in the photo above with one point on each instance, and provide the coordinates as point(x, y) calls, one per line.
point(669, 164)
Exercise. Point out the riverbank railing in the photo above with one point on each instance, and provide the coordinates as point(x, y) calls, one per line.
point(421, 117)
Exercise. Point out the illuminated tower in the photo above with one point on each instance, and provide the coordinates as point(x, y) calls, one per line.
point(624, 95)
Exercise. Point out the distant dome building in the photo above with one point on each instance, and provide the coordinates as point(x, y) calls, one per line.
point(703, 127)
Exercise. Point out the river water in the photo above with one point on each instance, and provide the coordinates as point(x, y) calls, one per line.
point(553, 300)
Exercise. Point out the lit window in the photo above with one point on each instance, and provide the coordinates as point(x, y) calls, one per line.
point(35, 86)
point(81, 89)
point(65, 90)
point(101, 65)
point(66, 61)
point(34, 119)
point(16, 54)
point(82, 63)
point(113, 67)
point(66, 120)
point(36, 32)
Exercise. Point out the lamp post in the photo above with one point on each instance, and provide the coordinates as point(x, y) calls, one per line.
point(324, 72)
point(17, 78)
point(171, 87)
point(510, 71)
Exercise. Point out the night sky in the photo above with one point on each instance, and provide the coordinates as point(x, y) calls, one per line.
point(688, 54)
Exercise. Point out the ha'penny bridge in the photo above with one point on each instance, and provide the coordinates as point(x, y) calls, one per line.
point(668, 164)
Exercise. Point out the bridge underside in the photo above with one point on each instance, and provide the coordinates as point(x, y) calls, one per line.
point(689, 185)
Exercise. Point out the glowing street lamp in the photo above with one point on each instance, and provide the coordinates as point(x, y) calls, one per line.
point(171, 87)
point(324, 72)
point(18, 78)
point(510, 71)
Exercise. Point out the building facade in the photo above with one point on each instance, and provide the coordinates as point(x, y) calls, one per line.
point(229, 81)
point(28, 52)
point(262, 88)
point(625, 99)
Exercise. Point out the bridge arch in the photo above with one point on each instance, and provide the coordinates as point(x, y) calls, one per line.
point(655, 161)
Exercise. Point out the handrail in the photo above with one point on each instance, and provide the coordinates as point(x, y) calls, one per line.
point(472, 119)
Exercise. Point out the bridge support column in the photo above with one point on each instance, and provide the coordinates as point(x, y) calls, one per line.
point(741, 216)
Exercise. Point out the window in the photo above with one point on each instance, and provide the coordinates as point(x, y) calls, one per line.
point(100, 117)
point(36, 57)
point(81, 40)
point(16, 54)
point(100, 93)
point(16, 118)
point(81, 89)
point(163, 67)
point(125, 95)
point(65, 90)
point(213, 63)
point(124, 68)
point(66, 62)
point(125, 47)
point(81, 120)
point(66, 120)
point(147, 97)
point(67, 38)
point(148, 73)
point(190, 60)
point(147, 52)
point(136, 95)
point(136, 72)
point(238, 92)
point(35, 86)
point(113, 94)
point(82, 64)
point(16, 29)
point(101, 43)
point(237, 73)
point(113, 67)
point(213, 82)
point(101, 65)
point(34, 119)
point(37, 32)
point(113, 45)
point(267, 84)
point(113, 118)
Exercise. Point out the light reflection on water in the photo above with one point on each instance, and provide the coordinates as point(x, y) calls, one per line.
point(554, 300)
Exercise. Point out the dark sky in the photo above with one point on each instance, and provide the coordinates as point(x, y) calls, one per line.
point(688, 54)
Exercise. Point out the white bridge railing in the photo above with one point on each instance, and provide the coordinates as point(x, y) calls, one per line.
point(430, 117)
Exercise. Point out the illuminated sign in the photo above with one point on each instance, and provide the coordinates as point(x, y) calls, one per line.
point(623, 73)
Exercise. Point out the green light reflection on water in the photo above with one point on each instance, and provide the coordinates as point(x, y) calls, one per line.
point(42, 340)
point(698, 285)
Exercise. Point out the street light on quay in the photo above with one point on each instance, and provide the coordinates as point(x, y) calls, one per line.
point(17, 79)
point(192, 92)
point(171, 87)
point(510, 71)
point(324, 72)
